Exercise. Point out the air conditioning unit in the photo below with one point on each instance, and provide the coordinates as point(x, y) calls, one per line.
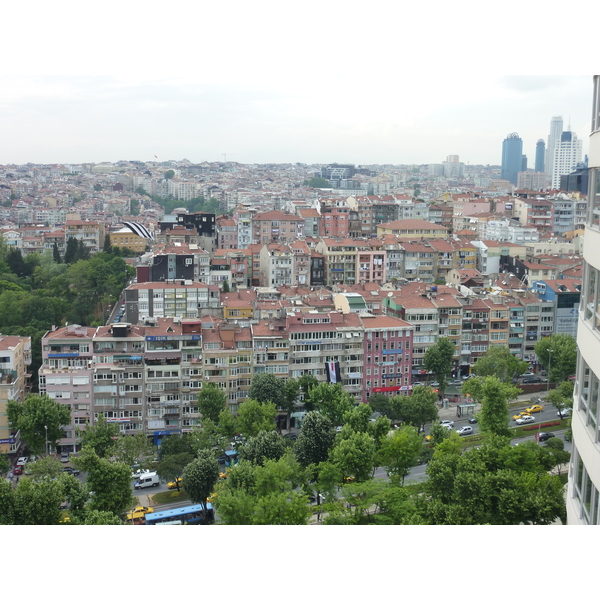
point(206, 377)
point(113, 393)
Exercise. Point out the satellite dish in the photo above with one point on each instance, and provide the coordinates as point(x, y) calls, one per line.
point(390, 294)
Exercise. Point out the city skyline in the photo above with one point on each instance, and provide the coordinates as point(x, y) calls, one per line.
point(125, 83)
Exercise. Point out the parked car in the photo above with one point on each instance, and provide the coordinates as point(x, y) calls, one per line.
point(146, 480)
point(534, 408)
point(563, 412)
point(466, 430)
point(291, 436)
point(64, 457)
point(447, 423)
point(525, 419)
point(172, 485)
point(473, 419)
point(22, 461)
point(18, 470)
point(532, 380)
point(545, 436)
point(71, 470)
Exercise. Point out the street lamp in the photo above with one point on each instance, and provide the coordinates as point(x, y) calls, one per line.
point(46, 428)
point(549, 363)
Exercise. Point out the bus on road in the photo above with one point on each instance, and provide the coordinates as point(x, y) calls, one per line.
point(186, 515)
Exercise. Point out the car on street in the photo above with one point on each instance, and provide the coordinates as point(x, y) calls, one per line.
point(473, 419)
point(563, 412)
point(71, 470)
point(447, 423)
point(139, 512)
point(545, 436)
point(18, 470)
point(172, 485)
point(64, 457)
point(291, 436)
point(519, 415)
point(466, 430)
point(22, 461)
point(534, 408)
point(525, 419)
point(532, 380)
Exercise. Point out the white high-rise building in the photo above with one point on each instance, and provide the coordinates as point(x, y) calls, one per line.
point(556, 127)
point(566, 155)
point(583, 493)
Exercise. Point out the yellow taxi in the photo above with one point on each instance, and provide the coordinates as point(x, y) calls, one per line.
point(222, 475)
point(518, 416)
point(533, 409)
point(349, 479)
point(172, 485)
point(212, 497)
point(139, 512)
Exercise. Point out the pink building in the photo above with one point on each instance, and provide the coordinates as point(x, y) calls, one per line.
point(388, 343)
point(370, 263)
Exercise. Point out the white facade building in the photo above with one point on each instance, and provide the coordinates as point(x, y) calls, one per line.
point(567, 153)
point(583, 494)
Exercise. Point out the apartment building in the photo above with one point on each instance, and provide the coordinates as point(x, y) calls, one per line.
point(276, 227)
point(15, 357)
point(415, 229)
point(91, 233)
point(320, 338)
point(387, 356)
point(125, 238)
point(340, 260)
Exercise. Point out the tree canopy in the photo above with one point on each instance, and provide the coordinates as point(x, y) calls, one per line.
point(39, 418)
point(417, 409)
point(500, 362)
point(211, 401)
point(438, 360)
point(558, 355)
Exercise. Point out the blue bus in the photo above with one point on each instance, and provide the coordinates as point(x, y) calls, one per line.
point(186, 515)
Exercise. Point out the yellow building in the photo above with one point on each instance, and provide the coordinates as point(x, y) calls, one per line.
point(412, 229)
point(125, 238)
point(15, 357)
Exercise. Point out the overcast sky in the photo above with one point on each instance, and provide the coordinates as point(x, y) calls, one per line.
point(269, 81)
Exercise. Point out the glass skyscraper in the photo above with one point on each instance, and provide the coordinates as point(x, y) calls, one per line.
point(512, 153)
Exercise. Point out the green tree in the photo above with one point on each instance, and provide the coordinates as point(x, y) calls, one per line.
point(107, 245)
point(4, 464)
point(438, 434)
point(381, 403)
point(97, 187)
point(97, 517)
point(254, 417)
point(44, 468)
point(399, 452)
point(38, 418)
point(134, 449)
point(266, 445)
point(331, 400)
point(175, 444)
point(562, 397)
point(16, 263)
point(109, 481)
point(169, 174)
point(211, 401)
point(38, 502)
point(558, 355)
point(71, 250)
point(200, 476)
point(417, 409)
point(358, 417)
point(494, 396)
point(290, 398)
point(558, 456)
point(208, 437)
point(100, 437)
point(227, 423)
point(438, 360)
point(355, 456)
point(266, 387)
point(317, 182)
point(56, 254)
point(263, 494)
point(171, 468)
point(500, 362)
point(315, 439)
point(225, 287)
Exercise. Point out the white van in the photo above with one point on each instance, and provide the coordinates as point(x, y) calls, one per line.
point(146, 480)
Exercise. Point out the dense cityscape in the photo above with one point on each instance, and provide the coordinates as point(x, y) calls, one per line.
point(290, 343)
